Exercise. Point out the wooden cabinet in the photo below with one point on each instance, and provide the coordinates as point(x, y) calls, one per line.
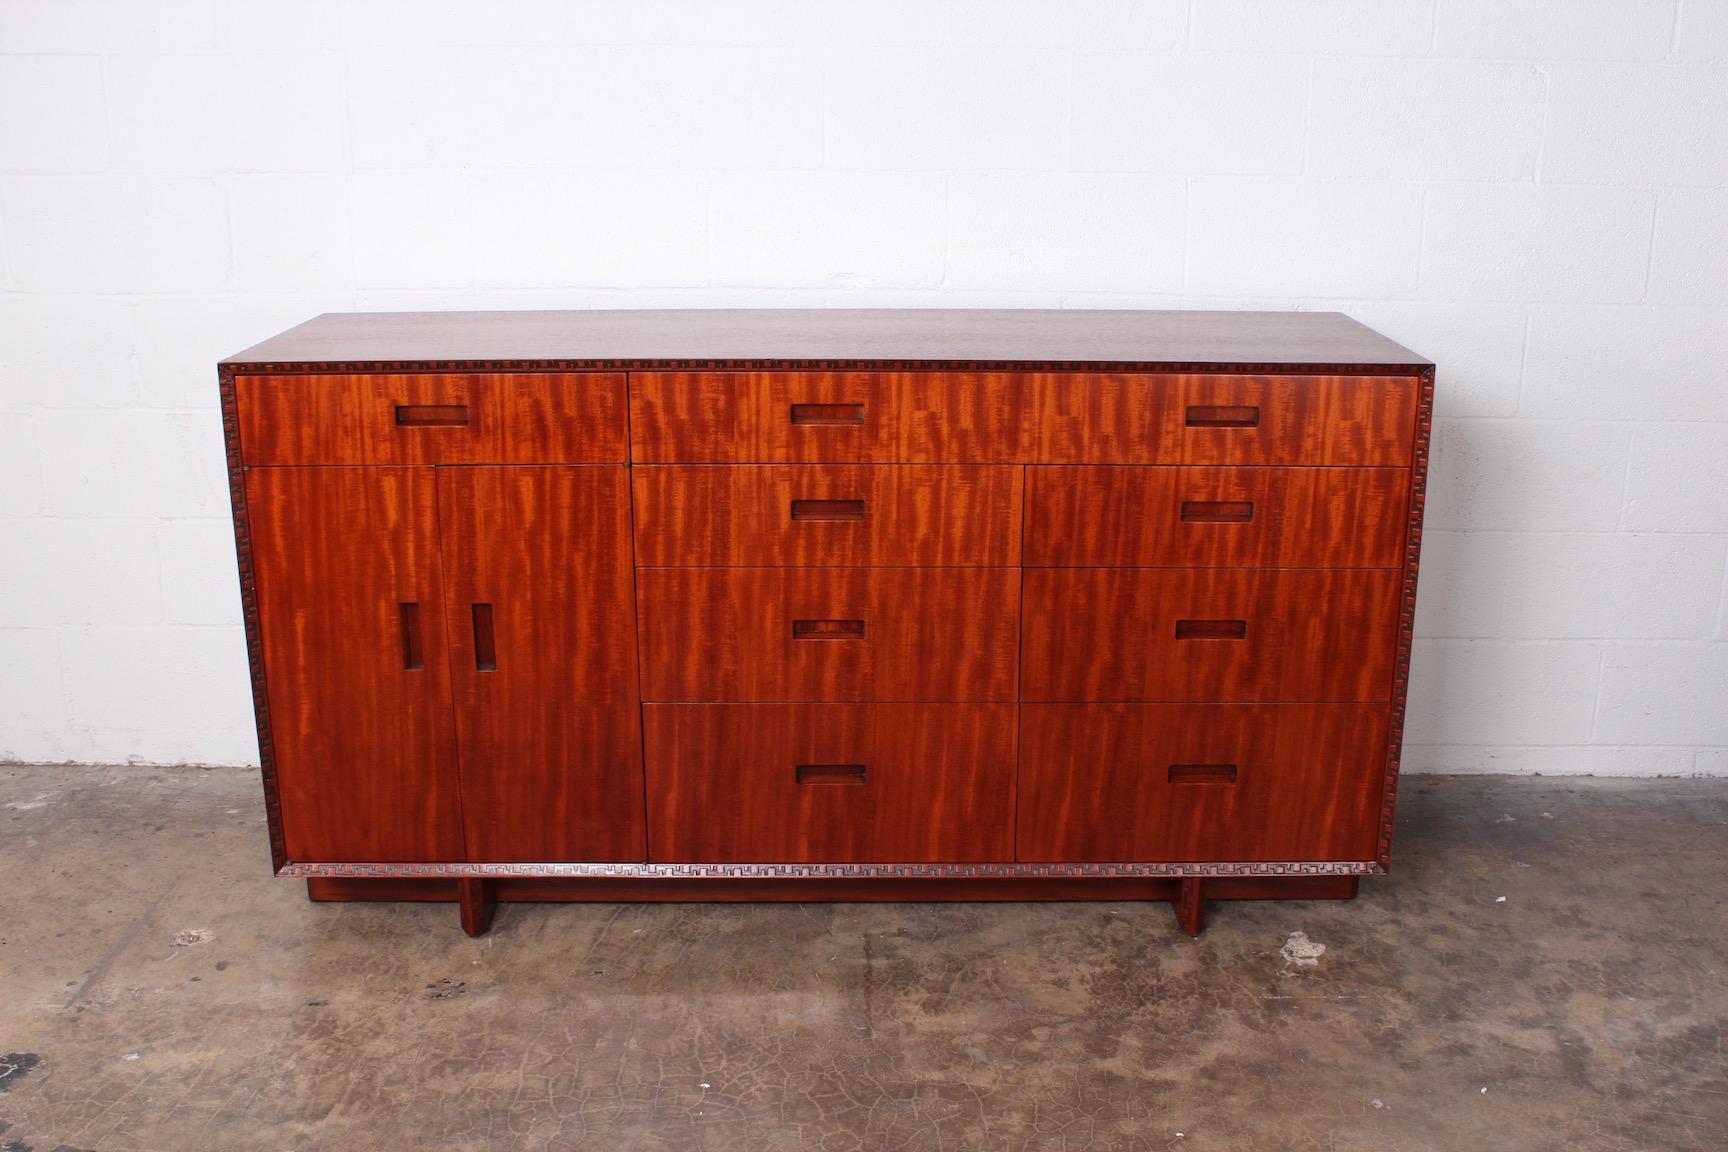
point(829, 605)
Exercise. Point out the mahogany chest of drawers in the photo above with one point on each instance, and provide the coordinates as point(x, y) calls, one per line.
point(817, 605)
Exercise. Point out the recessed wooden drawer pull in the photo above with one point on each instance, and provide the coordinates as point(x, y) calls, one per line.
point(1217, 511)
point(827, 629)
point(830, 773)
point(1202, 773)
point(827, 509)
point(1211, 629)
point(413, 655)
point(1223, 416)
point(827, 413)
point(431, 415)
point(485, 640)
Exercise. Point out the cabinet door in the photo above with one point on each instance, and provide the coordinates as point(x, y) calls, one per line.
point(351, 615)
point(542, 639)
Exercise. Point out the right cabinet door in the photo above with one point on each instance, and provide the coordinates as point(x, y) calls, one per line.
point(541, 628)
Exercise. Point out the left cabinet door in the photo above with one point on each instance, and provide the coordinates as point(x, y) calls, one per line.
point(351, 616)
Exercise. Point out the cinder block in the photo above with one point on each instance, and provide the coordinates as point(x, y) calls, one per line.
point(1536, 243)
point(828, 229)
point(1494, 692)
point(412, 230)
point(1601, 363)
point(1626, 586)
point(291, 233)
point(115, 234)
point(148, 465)
point(1065, 231)
point(1581, 760)
point(164, 695)
point(54, 119)
point(200, 575)
point(32, 707)
point(106, 25)
point(1664, 694)
point(1111, 25)
point(21, 481)
point(1479, 349)
point(1425, 119)
point(550, 229)
point(1337, 27)
point(1303, 238)
point(1702, 33)
point(55, 572)
point(1678, 479)
point(1555, 29)
point(946, 109)
point(179, 339)
point(1215, 114)
point(1690, 263)
point(1637, 124)
point(66, 352)
point(265, 112)
point(1490, 475)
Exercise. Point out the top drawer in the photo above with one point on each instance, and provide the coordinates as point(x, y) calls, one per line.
point(828, 417)
point(433, 418)
point(1224, 419)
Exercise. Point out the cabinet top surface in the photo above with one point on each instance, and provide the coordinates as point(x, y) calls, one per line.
point(746, 338)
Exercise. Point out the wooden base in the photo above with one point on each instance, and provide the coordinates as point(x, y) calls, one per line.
point(477, 898)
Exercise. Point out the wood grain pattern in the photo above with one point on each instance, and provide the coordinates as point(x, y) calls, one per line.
point(1110, 634)
point(1144, 419)
point(364, 747)
point(827, 514)
point(1095, 782)
point(550, 733)
point(722, 784)
point(526, 418)
point(1194, 517)
point(930, 634)
point(906, 417)
point(883, 337)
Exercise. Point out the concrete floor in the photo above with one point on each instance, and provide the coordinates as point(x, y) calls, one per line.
point(159, 990)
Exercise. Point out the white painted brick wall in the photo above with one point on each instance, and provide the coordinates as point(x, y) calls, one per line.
point(1534, 193)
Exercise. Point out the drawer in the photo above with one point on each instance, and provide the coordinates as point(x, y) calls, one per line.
point(830, 783)
point(827, 417)
point(863, 514)
point(1217, 517)
point(1191, 782)
point(433, 418)
point(1224, 419)
point(898, 634)
point(1157, 634)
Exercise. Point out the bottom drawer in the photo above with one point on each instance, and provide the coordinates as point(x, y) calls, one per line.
point(830, 783)
point(1192, 782)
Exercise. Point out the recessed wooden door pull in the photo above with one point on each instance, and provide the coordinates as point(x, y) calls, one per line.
point(1202, 773)
point(1211, 629)
point(1217, 511)
point(1223, 416)
point(432, 415)
point(827, 413)
point(830, 773)
point(827, 629)
point(827, 509)
point(413, 654)
point(485, 640)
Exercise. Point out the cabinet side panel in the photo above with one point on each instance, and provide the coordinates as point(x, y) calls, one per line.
point(351, 608)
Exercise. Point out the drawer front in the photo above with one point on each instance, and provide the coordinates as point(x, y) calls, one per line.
point(1216, 517)
point(827, 417)
point(830, 783)
point(1148, 634)
point(1188, 782)
point(1221, 419)
point(897, 634)
point(433, 418)
point(815, 514)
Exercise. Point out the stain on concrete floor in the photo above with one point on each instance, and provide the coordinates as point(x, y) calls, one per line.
point(1583, 1012)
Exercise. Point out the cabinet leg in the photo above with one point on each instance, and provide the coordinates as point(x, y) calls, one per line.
point(1190, 905)
point(476, 900)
